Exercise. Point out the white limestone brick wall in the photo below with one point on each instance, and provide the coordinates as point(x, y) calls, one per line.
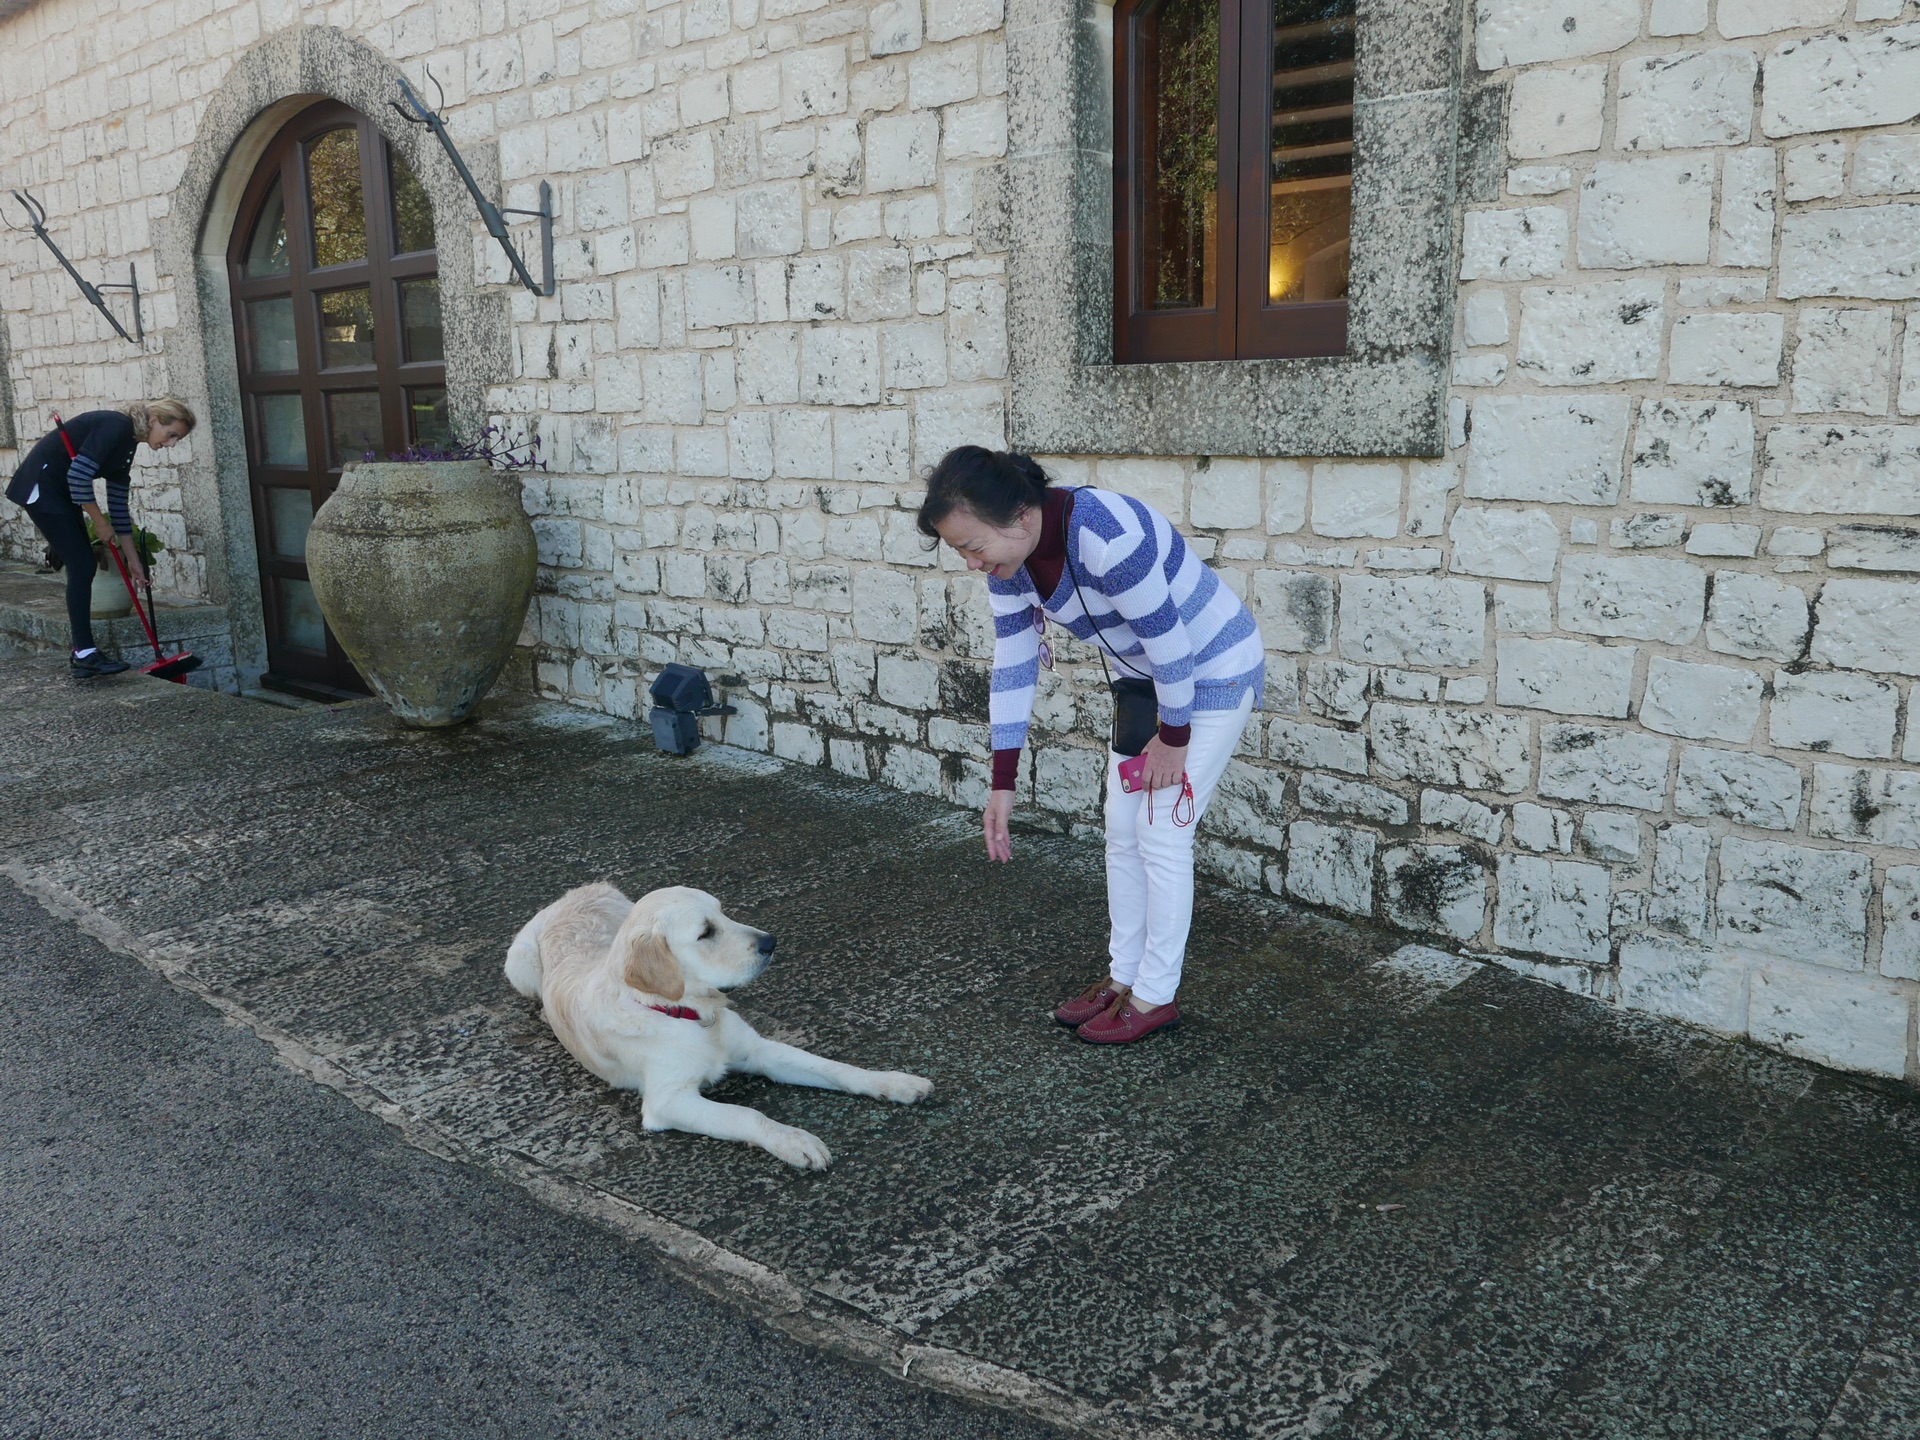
point(1685, 377)
point(1618, 691)
point(97, 110)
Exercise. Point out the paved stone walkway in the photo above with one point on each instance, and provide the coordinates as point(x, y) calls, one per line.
point(1363, 1191)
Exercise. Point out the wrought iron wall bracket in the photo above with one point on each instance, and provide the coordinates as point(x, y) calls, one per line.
point(37, 218)
point(416, 112)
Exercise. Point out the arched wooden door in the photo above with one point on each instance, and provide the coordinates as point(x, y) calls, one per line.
point(336, 313)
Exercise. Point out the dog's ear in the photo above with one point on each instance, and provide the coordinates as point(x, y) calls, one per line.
point(648, 962)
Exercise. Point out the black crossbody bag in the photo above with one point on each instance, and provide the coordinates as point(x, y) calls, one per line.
point(1136, 708)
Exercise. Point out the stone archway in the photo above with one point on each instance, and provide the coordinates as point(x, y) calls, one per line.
point(267, 85)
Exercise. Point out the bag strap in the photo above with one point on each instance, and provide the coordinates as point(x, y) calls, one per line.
point(1099, 639)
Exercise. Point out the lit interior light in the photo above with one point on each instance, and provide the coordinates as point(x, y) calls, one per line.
point(1282, 275)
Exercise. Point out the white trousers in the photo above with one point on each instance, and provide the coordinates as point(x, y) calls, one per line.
point(1150, 860)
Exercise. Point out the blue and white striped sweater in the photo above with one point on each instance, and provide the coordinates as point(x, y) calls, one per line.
point(1155, 603)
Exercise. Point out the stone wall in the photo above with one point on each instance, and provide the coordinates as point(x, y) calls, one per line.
point(1616, 690)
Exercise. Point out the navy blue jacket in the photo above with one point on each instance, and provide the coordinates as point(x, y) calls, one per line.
point(106, 442)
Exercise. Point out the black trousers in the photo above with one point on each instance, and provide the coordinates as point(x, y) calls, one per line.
point(65, 527)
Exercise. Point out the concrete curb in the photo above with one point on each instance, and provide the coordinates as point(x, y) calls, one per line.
point(796, 1311)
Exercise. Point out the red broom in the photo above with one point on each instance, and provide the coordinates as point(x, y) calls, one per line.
point(175, 667)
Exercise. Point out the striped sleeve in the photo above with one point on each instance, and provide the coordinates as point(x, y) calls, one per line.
point(1128, 571)
point(81, 473)
point(117, 509)
point(1016, 660)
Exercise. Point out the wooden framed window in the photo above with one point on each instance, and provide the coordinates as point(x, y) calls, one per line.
point(1233, 178)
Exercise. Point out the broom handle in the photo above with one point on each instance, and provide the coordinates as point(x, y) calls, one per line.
point(145, 623)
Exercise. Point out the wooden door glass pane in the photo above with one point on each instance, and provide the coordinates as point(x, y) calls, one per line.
point(412, 212)
point(301, 623)
point(291, 516)
point(1311, 170)
point(353, 425)
point(283, 430)
point(337, 199)
point(339, 311)
point(1179, 47)
point(346, 328)
point(267, 254)
point(270, 322)
point(420, 318)
point(427, 415)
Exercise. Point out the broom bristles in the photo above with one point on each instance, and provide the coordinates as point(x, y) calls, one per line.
point(174, 667)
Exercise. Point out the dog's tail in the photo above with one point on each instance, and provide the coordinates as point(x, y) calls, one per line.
point(523, 957)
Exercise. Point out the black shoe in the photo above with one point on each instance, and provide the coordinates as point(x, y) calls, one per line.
point(95, 664)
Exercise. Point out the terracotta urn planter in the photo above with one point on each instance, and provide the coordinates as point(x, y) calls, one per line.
point(424, 569)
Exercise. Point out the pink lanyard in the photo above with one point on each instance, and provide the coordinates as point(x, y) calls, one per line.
point(1185, 798)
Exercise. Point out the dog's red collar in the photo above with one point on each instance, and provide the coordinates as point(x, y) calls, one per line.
point(678, 1012)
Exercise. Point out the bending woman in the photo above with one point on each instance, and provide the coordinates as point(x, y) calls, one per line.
point(1111, 570)
point(57, 492)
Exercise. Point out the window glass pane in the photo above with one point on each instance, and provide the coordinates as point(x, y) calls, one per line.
point(300, 620)
point(412, 214)
point(270, 322)
point(353, 425)
point(420, 314)
point(427, 415)
point(291, 514)
point(346, 328)
point(283, 430)
point(267, 255)
point(339, 204)
point(1179, 48)
point(1312, 157)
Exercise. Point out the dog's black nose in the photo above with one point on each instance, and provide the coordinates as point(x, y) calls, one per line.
point(767, 942)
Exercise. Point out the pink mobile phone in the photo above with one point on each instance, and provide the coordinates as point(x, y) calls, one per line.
point(1131, 772)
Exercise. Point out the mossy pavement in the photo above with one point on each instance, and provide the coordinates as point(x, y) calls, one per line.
point(1360, 1192)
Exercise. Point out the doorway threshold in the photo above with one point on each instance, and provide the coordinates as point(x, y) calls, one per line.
point(291, 690)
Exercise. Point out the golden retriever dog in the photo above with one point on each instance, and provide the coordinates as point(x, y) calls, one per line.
point(633, 991)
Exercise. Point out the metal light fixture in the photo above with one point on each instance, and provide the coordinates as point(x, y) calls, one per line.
point(681, 695)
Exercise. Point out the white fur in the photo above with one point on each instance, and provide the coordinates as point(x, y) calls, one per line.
point(599, 962)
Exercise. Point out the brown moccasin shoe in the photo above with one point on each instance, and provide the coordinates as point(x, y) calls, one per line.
point(1121, 1023)
point(1098, 996)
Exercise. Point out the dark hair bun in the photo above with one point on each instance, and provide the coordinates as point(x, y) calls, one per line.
point(996, 485)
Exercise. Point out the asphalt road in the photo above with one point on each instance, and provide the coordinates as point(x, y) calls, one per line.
point(195, 1241)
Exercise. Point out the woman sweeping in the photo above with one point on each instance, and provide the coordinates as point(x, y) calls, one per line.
point(57, 492)
point(1111, 570)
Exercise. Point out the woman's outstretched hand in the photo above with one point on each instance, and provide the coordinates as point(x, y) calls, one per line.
point(994, 822)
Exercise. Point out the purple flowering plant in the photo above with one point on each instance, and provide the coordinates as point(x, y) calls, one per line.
point(496, 446)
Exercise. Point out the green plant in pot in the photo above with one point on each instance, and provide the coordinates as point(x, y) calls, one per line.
point(110, 599)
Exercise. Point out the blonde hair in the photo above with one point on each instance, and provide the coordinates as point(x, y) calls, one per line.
point(164, 411)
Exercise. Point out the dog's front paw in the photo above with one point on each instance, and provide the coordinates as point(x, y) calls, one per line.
point(798, 1148)
point(900, 1087)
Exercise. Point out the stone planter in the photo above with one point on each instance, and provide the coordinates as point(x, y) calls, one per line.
point(109, 600)
point(424, 571)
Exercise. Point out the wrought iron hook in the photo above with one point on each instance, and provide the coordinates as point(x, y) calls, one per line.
point(37, 218)
point(491, 215)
